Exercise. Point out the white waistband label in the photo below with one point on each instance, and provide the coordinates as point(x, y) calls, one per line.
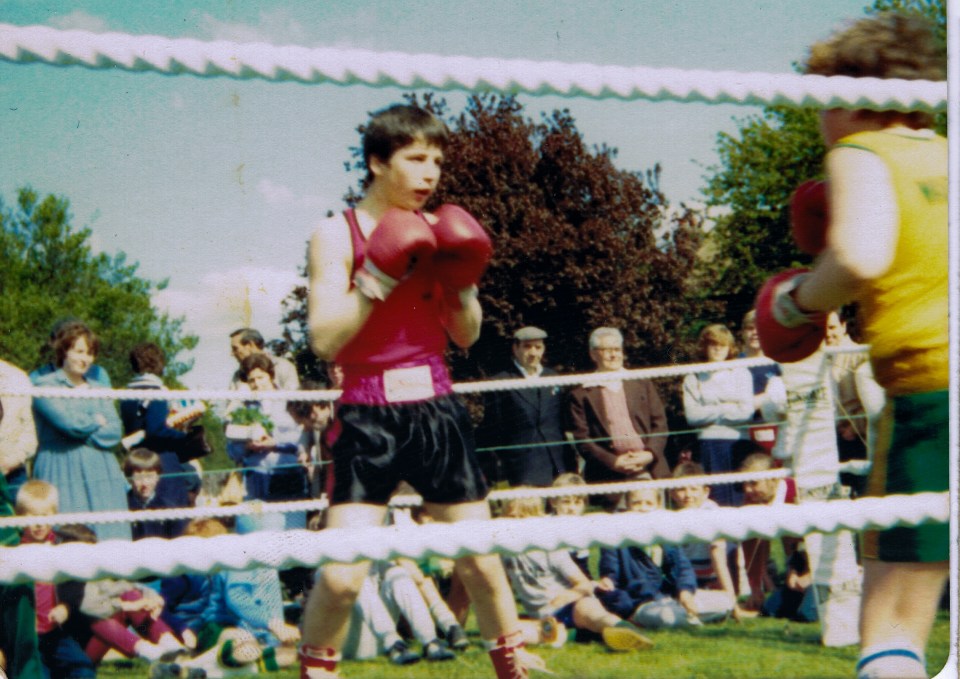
point(408, 384)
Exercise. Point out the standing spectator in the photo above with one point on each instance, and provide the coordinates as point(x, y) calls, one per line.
point(313, 450)
point(527, 421)
point(854, 390)
point(77, 436)
point(620, 426)
point(656, 587)
point(268, 453)
point(246, 342)
point(761, 432)
point(174, 447)
point(721, 402)
point(18, 434)
point(95, 374)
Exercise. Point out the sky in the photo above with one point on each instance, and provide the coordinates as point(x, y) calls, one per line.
point(215, 184)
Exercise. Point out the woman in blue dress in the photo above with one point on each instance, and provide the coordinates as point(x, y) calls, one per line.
point(77, 436)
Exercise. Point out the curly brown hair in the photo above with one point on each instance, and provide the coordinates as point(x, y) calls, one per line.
point(886, 45)
point(62, 343)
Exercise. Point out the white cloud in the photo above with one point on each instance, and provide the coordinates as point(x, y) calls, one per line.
point(275, 26)
point(81, 21)
point(274, 193)
point(221, 303)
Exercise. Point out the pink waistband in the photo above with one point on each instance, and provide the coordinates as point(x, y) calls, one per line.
point(378, 385)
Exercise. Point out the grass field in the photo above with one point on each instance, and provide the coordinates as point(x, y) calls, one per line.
point(754, 649)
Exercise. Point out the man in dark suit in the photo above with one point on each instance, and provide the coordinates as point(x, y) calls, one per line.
point(620, 426)
point(530, 419)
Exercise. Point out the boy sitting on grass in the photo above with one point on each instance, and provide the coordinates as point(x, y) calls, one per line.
point(552, 587)
point(709, 559)
point(655, 587)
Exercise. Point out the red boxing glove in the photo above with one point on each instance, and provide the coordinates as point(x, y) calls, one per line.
point(787, 333)
point(400, 240)
point(810, 216)
point(463, 248)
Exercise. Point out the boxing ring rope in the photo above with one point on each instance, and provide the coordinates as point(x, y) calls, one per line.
point(258, 508)
point(291, 63)
point(154, 556)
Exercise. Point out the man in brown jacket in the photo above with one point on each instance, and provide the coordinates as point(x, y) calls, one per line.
point(620, 426)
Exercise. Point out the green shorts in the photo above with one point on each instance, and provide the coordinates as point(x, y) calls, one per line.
point(912, 456)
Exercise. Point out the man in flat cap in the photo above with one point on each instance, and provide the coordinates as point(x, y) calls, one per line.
point(525, 426)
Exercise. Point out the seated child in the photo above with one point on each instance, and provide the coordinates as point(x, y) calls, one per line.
point(656, 587)
point(19, 652)
point(572, 505)
point(551, 586)
point(710, 561)
point(143, 469)
point(756, 551)
point(219, 651)
point(251, 600)
point(420, 575)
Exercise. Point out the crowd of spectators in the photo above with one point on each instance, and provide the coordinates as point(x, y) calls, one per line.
point(60, 455)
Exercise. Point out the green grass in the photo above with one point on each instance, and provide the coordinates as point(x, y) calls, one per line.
point(755, 649)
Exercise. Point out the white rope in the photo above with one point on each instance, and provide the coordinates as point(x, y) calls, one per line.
point(257, 508)
point(154, 556)
point(146, 53)
point(477, 387)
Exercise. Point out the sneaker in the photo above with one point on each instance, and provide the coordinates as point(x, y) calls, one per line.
point(437, 650)
point(625, 638)
point(457, 638)
point(553, 633)
point(400, 654)
point(164, 670)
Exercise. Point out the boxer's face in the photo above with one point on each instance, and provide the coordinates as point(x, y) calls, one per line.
point(411, 174)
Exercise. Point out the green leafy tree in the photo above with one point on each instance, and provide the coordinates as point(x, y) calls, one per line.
point(49, 272)
point(760, 166)
point(579, 243)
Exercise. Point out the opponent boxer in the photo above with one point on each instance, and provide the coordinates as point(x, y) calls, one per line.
point(389, 285)
point(886, 248)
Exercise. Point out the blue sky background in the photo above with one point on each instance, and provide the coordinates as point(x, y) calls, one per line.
point(216, 183)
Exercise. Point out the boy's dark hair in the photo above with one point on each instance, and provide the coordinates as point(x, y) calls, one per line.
point(254, 362)
point(887, 45)
point(302, 408)
point(396, 126)
point(141, 460)
point(75, 532)
point(147, 357)
point(249, 336)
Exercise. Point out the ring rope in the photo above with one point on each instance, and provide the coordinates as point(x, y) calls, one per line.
point(473, 387)
point(284, 549)
point(257, 507)
point(291, 63)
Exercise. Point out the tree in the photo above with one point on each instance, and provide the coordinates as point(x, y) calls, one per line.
point(578, 242)
point(759, 167)
point(48, 272)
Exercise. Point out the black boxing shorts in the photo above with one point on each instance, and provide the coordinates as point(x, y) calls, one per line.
point(429, 444)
